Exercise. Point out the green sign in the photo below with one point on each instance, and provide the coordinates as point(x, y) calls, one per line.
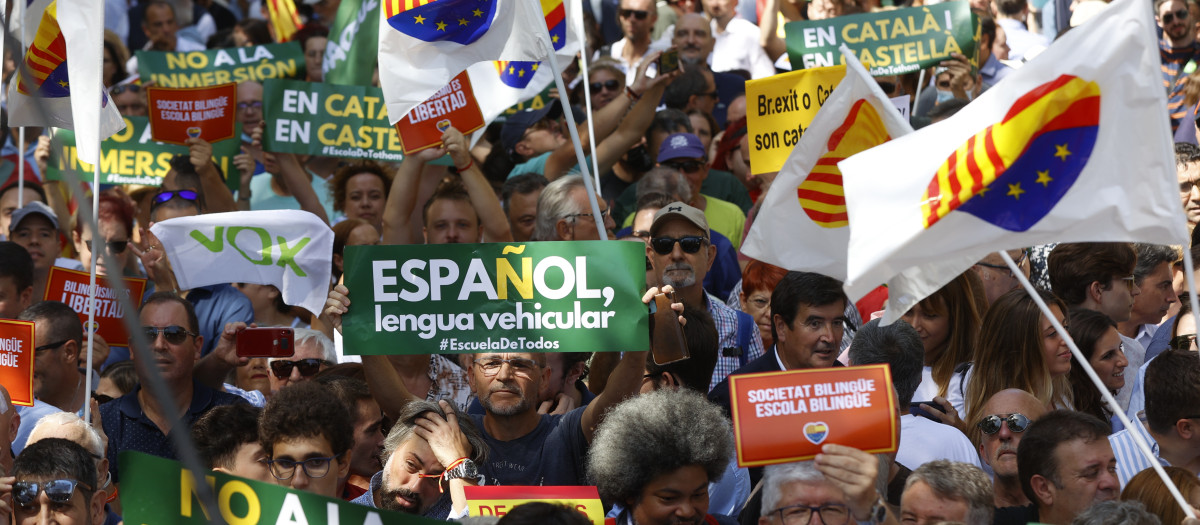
point(353, 47)
point(576, 296)
point(177, 69)
point(539, 101)
point(132, 157)
point(163, 492)
point(888, 42)
point(311, 118)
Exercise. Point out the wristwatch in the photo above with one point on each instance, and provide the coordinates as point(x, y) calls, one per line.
point(464, 470)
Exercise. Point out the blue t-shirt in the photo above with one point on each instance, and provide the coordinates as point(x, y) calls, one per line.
point(555, 453)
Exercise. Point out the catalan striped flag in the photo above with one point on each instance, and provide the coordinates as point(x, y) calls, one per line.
point(284, 19)
point(1070, 148)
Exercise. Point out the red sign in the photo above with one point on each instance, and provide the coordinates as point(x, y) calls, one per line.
point(16, 360)
point(454, 105)
point(71, 287)
point(177, 114)
point(852, 406)
point(498, 500)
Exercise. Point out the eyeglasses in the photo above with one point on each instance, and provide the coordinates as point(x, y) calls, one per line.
point(256, 104)
point(175, 334)
point(689, 244)
point(58, 490)
point(690, 166)
point(831, 513)
point(308, 367)
point(991, 424)
point(1181, 14)
point(607, 85)
point(519, 366)
point(1130, 282)
point(187, 195)
point(116, 247)
point(1182, 342)
point(118, 89)
point(51, 346)
point(636, 13)
point(606, 214)
point(641, 234)
point(313, 467)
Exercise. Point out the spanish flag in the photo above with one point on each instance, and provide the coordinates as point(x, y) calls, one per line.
point(1070, 148)
point(284, 19)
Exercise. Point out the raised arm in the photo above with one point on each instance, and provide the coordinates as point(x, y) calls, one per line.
point(483, 197)
point(397, 213)
point(634, 125)
point(768, 31)
point(217, 197)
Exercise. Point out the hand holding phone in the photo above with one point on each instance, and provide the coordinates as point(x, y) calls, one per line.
point(668, 61)
point(666, 335)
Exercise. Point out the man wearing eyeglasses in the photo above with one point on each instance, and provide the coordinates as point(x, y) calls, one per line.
point(839, 487)
point(313, 353)
point(684, 152)
point(1008, 414)
point(130, 100)
point(307, 434)
point(56, 482)
point(1178, 47)
point(136, 421)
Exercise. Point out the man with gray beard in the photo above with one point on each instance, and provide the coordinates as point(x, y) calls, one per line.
point(1006, 416)
point(681, 253)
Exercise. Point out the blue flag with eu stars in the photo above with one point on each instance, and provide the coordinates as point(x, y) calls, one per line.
point(459, 21)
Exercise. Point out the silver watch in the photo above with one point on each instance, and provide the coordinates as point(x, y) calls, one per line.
point(464, 470)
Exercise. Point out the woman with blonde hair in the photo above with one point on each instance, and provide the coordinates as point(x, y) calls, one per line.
point(948, 322)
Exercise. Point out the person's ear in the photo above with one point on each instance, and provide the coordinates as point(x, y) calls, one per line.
point(712, 254)
point(523, 149)
point(26, 298)
point(780, 328)
point(564, 230)
point(1095, 290)
point(97, 506)
point(71, 352)
point(344, 465)
point(1043, 489)
point(199, 346)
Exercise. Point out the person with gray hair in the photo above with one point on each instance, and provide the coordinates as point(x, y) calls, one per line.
point(1154, 276)
point(564, 212)
point(68, 426)
point(667, 181)
point(430, 454)
point(655, 454)
point(1116, 513)
point(921, 439)
point(313, 353)
point(839, 485)
point(947, 491)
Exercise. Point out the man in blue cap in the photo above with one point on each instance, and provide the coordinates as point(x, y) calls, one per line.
point(685, 153)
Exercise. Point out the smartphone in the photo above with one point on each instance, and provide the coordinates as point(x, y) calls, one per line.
point(667, 341)
point(266, 342)
point(915, 409)
point(668, 61)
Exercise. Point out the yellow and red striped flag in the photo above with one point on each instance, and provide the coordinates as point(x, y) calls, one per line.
point(283, 18)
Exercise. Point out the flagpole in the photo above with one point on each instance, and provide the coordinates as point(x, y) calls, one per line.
point(917, 97)
point(587, 91)
point(566, 106)
point(1188, 270)
point(1091, 373)
point(20, 130)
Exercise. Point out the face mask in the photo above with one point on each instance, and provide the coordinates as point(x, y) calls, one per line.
point(944, 96)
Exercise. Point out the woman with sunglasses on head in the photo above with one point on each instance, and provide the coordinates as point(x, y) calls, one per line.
point(1098, 340)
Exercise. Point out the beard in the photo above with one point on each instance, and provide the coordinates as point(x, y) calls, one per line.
point(679, 281)
point(510, 410)
point(388, 501)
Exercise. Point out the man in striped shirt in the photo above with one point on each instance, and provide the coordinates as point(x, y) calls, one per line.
point(1172, 423)
point(1177, 47)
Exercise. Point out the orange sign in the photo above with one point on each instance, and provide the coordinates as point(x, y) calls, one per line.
point(71, 287)
point(177, 114)
point(16, 360)
point(852, 406)
point(453, 105)
point(498, 500)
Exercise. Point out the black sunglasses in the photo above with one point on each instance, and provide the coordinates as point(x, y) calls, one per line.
point(1170, 17)
point(608, 85)
point(58, 490)
point(1182, 342)
point(175, 334)
point(308, 367)
point(43, 348)
point(636, 13)
point(689, 244)
point(690, 166)
point(1016, 423)
point(116, 247)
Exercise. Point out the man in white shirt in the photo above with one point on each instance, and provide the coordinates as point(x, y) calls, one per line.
point(162, 32)
point(637, 21)
point(737, 41)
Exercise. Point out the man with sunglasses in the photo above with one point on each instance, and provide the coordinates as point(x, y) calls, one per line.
point(1008, 414)
point(130, 100)
point(56, 481)
point(684, 152)
point(313, 353)
point(1099, 276)
point(1171, 419)
point(1178, 47)
point(58, 371)
point(136, 420)
point(307, 434)
point(637, 19)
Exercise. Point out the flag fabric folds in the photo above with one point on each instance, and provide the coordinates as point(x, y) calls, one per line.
point(284, 19)
point(423, 44)
point(46, 74)
point(806, 201)
point(1070, 148)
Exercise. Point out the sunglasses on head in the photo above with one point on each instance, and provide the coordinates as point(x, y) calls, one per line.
point(118, 89)
point(690, 166)
point(164, 196)
point(1182, 342)
point(58, 490)
point(636, 13)
point(1016, 423)
point(113, 246)
point(607, 85)
point(175, 334)
point(689, 244)
point(1170, 17)
point(308, 367)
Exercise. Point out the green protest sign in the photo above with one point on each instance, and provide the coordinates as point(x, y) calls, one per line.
point(164, 492)
point(132, 157)
point(888, 42)
point(312, 118)
point(577, 296)
point(353, 47)
point(175, 69)
point(539, 101)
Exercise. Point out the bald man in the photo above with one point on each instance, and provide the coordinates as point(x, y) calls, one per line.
point(1006, 416)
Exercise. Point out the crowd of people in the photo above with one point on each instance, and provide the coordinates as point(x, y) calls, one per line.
point(998, 421)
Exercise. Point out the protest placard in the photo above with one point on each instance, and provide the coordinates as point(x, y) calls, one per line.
point(132, 157)
point(71, 287)
point(577, 296)
point(16, 360)
point(779, 109)
point(499, 500)
point(179, 114)
point(163, 492)
point(220, 66)
point(353, 47)
point(853, 406)
point(312, 118)
point(887, 42)
point(453, 105)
